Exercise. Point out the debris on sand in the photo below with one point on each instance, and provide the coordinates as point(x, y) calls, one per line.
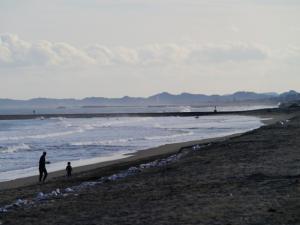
point(57, 193)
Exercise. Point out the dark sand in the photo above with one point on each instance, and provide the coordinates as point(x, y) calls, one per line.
point(251, 178)
point(138, 157)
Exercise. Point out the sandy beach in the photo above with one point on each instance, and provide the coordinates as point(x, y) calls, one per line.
point(246, 178)
point(139, 156)
point(268, 116)
point(140, 112)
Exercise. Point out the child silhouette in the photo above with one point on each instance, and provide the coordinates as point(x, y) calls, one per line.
point(69, 169)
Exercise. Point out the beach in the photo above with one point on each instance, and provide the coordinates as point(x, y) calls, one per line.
point(249, 178)
point(85, 141)
point(140, 112)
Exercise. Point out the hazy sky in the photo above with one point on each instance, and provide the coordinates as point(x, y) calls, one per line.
point(112, 48)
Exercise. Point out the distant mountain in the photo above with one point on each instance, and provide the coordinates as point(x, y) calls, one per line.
point(167, 98)
point(289, 96)
point(164, 98)
point(289, 99)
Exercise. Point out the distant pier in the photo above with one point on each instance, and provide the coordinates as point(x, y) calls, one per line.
point(160, 114)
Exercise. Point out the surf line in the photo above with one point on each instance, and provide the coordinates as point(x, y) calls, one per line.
point(75, 190)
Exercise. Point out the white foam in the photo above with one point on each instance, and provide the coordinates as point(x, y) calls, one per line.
point(185, 109)
point(41, 136)
point(169, 136)
point(70, 139)
point(114, 142)
point(104, 142)
point(14, 148)
point(33, 171)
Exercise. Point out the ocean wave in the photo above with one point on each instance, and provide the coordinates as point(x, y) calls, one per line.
point(74, 127)
point(97, 123)
point(115, 122)
point(185, 109)
point(104, 142)
point(127, 140)
point(14, 148)
point(60, 118)
point(58, 136)
point(41, 136)
point(169, 136)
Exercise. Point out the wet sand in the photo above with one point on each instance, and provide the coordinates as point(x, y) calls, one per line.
point(250, 178)
point(138, 156)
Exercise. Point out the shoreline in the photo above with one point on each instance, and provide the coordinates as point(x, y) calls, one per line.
point(257, 170)
point(128, 159)
point(148, 154)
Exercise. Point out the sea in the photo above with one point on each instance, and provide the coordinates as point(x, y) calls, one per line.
point(84, 141)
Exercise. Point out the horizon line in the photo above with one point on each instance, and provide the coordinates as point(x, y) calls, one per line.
point(166, 92)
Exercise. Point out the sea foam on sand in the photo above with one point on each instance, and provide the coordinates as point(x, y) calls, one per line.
point(75, 190)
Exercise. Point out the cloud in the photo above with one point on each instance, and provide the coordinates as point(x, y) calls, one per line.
point(291, 55)
point(15, 52)
point(225, 53)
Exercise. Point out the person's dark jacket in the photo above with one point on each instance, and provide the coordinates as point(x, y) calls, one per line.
point(42, 163)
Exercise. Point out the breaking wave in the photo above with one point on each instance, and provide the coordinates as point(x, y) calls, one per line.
point(14, 148)
point(41, 136)
point(129, 140)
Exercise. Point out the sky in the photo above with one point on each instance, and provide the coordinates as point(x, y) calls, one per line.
point(113, 48)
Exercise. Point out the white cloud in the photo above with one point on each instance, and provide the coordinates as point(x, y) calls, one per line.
point(162, 54)
point(229, 52)
point(15, 52)
point(5, 55)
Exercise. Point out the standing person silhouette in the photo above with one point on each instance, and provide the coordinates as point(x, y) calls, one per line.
point(42, 167)
point(69, 169)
